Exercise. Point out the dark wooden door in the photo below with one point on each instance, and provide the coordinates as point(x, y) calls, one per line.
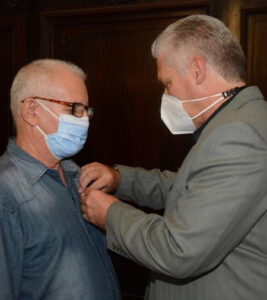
point(111, 41)
point(113, 47)
point(12, 57)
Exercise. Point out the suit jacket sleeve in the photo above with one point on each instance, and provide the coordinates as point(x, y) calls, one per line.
point(146, 188)
point(207, 217)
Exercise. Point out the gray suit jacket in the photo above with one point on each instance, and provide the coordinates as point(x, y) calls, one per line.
point(211, 243)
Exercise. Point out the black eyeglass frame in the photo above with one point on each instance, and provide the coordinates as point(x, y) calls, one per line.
point(75, 106)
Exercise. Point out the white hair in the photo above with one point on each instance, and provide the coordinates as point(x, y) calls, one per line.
point(206, 36)
point(33, 79)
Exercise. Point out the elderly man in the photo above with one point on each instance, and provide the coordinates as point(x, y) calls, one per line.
point(47, 251)
point(211, 242)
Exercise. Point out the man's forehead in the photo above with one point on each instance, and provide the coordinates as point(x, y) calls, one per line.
point(163, 69)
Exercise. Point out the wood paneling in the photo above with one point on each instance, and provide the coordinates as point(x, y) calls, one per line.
point(247, 19)
point(13, 51)
point(255, 45)
point(114, 49)
point(12, 4)
point(111, 40)
point(60, 5)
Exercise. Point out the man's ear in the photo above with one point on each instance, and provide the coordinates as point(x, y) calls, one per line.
point(28, 111)
point(198, 68)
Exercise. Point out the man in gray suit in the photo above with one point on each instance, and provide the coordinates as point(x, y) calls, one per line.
point(211, 242)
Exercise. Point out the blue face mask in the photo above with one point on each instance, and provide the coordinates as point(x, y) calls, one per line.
point(70, 137)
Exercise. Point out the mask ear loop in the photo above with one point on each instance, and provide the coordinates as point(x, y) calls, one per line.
point(199, 99)
point(226, 94)
point(42, 132)
point(207, 108)
point(47, 109)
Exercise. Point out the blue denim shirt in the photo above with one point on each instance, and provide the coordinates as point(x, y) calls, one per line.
point(47, 251)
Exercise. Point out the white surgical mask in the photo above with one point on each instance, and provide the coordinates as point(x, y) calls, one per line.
point(176, 118)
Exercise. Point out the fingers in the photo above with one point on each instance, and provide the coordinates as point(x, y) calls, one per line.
point(98, 176)
point(94, 206)
point(89, 174)
point(85, 217)
point(83, 208)
point(100, 184)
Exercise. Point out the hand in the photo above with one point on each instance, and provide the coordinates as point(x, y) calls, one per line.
point(99, 177)
point(94, 206)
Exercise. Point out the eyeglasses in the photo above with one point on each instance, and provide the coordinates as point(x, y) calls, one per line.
point(77, 109)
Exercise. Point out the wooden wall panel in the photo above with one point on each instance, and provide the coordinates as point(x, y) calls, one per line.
point(60, 5)
point(6, 61)
point(255, 45)
point(13, 51)
point(111, 40)
point(114, 49)
point(247, 19)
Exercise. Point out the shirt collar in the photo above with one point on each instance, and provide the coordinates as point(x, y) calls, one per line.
point(197, 133)
point(31, 167)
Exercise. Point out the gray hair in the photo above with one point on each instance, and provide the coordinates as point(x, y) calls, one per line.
point(32, 80)
point(206, 36)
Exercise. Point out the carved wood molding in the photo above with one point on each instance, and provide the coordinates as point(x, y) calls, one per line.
point(100, 2)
